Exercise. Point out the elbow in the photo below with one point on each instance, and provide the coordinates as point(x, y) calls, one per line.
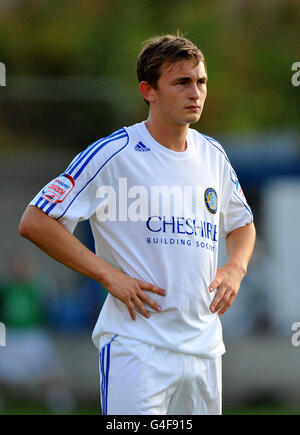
point(26, 226)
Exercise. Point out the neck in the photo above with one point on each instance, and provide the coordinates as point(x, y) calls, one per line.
point(171, 136)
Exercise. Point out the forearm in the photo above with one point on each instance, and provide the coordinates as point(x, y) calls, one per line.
point(50, 236)
point(239, 245)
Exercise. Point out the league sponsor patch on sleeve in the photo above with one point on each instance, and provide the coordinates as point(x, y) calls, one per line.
point(58, 189)
point(238, 187)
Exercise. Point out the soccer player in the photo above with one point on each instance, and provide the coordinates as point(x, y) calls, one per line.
point(159, 195)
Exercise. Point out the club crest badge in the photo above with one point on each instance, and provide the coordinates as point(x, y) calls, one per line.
point(211, 200)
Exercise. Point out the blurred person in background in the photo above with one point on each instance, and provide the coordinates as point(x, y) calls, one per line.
point(30, 361)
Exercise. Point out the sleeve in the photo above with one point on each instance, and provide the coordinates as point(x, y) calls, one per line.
point(235, 211)
point(71, 197)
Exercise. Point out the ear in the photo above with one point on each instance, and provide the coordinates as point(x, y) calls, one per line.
point(147, 91)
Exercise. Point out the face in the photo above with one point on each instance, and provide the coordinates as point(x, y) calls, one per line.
point(180, 93)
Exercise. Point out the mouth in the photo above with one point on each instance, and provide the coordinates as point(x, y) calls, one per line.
point(193, 108)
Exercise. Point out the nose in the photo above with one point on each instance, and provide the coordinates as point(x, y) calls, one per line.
point(194, 91)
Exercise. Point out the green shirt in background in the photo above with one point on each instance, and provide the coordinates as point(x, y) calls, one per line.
point(21, 305)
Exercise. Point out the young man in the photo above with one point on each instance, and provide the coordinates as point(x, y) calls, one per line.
point(158, 195)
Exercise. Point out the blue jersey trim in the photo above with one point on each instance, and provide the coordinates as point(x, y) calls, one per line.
point(44, 204)
point(50, 208)
point(102, 142)
point(95, 152)
point(107, 374)
point(85, 152)
point(101, 369)
point(38, 201)
point(79, 159)
point(209, 139)
point(104, 372)
point(243, 203)
point(75, 197)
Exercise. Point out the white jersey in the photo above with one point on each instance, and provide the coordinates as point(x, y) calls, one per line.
point(156, 215)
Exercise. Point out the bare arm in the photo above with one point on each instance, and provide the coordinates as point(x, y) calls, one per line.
point(239, 244)
point(50, 236)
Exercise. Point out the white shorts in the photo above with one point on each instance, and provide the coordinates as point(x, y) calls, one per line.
point(140, 379)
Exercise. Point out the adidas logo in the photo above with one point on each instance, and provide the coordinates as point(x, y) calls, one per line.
point(141, 147)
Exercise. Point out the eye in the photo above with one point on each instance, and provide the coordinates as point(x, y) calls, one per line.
point(183, 81)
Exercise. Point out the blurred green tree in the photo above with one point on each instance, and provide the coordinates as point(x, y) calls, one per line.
point(249, 46)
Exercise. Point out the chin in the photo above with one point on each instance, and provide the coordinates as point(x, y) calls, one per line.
point(192, 119)
point(188, 119)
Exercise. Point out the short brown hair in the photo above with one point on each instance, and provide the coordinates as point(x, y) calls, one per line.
point(166, 48)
